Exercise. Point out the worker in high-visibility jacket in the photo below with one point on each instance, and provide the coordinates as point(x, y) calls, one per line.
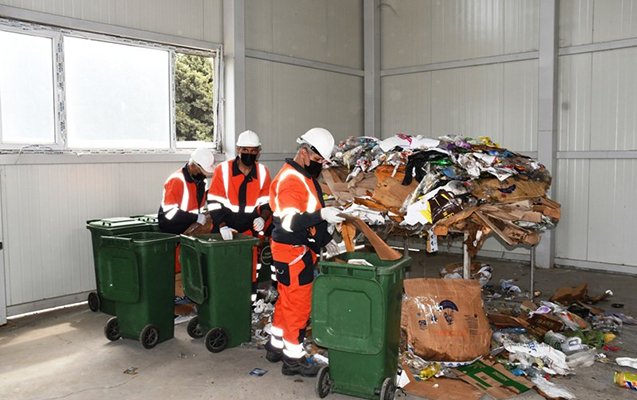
point(300, 231)
point(183, 201)
point(239, 194)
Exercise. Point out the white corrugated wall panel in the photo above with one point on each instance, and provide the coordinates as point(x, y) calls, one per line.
point(464, 29)
point(195, 19)
point(576, 22)
point(467, 101)
point(406, 104)
point(574, 99)
point(614, 19)
point(46, 244)
point(328, 31)
point(573, 192)
point(405, 33)
point(521, 24)
point(614, 100)
point(284, 101)
point(519, 130)
point(612, 216)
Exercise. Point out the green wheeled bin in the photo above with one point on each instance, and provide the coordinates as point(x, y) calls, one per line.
point(356, 316)
point(151, 220)
point(108, 227)
point(217, 275)
point(137, 272)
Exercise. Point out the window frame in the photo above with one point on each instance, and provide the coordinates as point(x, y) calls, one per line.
point(168, 43)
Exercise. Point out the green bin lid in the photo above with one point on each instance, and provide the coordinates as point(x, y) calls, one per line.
point(115, 222)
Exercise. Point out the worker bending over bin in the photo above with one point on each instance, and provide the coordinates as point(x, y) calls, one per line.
point(239, 194)
point(300, 231)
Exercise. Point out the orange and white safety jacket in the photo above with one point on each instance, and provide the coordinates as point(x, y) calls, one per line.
point(296, 200)
point(238, 199)
point(182, 201)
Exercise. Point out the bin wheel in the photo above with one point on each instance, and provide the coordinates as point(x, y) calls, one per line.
point(323, 382)
point(388, 390)
point(111, 330)
point(216, 340)
point(93, 302)
point(149, 336)
point(194, 329)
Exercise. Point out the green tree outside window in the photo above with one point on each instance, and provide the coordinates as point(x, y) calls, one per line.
point(193, 98)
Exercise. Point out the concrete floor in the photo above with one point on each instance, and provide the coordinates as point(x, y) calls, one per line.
point(64, 354)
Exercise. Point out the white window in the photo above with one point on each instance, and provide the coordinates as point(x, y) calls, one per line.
point(117, 96)
point(77, 91)
point(27, 112)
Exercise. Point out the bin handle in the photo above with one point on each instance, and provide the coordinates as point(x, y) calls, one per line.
point(128, 241)
point(202, 265)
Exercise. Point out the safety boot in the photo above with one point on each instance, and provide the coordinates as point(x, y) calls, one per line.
point(273, 354)
point(299, 366)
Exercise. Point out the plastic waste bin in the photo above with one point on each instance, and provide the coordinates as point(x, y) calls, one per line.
point(356, 315)
point(217, 275)
point(150, 219)
point(108, 227)
point(137, 272)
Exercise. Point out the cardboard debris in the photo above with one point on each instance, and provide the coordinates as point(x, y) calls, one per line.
point(568, 295)
point(445, 319)
point(441, 388)
point(492, 378)
point(382, 249)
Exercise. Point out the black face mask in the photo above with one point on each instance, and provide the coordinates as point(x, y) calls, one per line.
point(314, 169)
point(198, 177)
point(248, 159)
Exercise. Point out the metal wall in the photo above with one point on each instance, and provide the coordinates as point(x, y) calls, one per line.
point(45, 207)
point(284, 99)
point(194, 19)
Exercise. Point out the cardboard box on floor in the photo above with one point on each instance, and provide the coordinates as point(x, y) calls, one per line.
point(440, 388)
point(492, 378)
point(445, 319)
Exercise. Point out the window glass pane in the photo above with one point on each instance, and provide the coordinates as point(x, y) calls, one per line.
point(26, 89)
point(117, 96)
point(194, 105)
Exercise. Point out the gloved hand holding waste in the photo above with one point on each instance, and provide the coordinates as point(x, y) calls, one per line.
point(226, 232)
point(331, 215)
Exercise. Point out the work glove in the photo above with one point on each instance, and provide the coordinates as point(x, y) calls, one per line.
point(330, 214)
point(226, 232)
point(332, 248)
point(258, 224)
point(201, 219)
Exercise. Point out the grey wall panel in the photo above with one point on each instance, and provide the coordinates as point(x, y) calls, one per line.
point(612, 217)
point(406, 104)
point(576, 22)
point(574, 98)
point(47, 247)
point(466, 29)
point(195, 19)
point(614, 100)
point(519, 130)
point(405, 33)
point(573, 192)
point(521, 24)
point(284, 101)
point(329, 31)
point(614, 19)
point(468, 101)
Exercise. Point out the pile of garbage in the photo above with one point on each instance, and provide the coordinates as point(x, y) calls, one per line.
point(530, 342)
point(425, 186)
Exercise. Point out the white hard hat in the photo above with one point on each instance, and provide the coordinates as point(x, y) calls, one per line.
point(204, 158)
point(248, 139)
point(320, 139)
